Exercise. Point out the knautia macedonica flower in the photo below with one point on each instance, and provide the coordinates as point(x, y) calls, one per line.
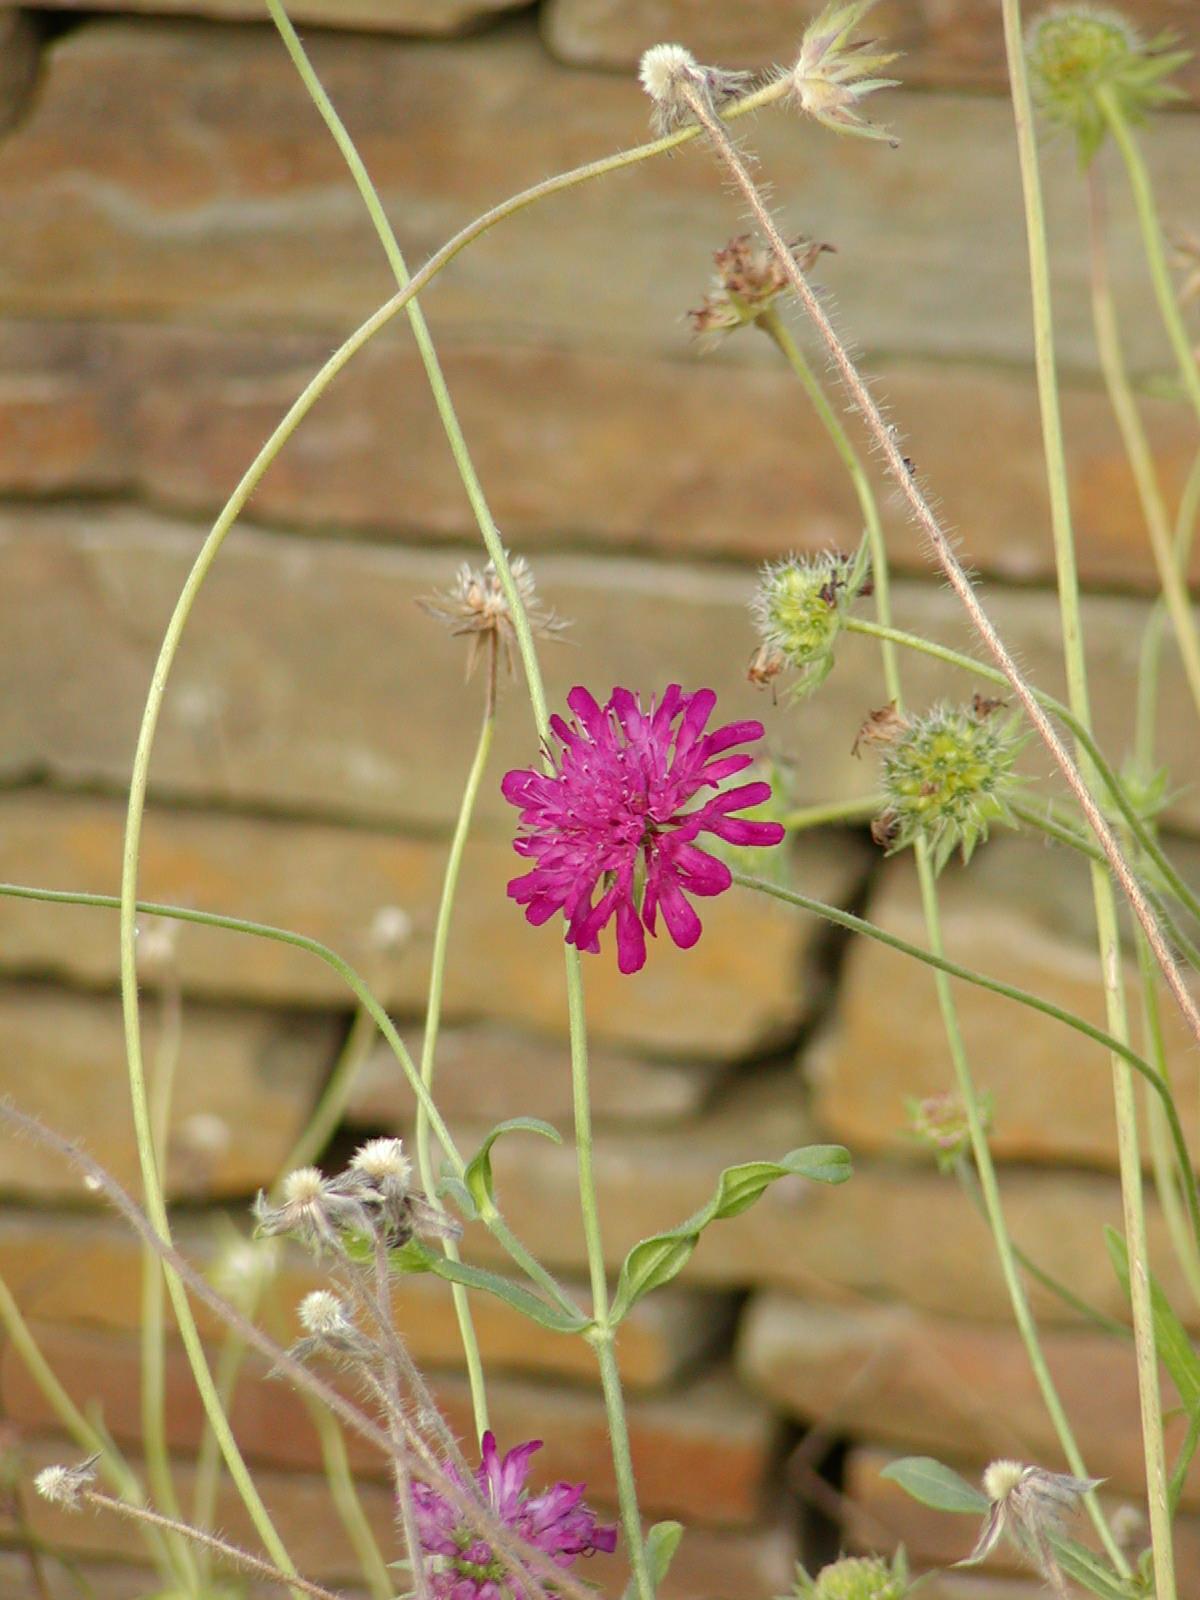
point(748, 281)
point(857, 1578)
point(463, 1565)
point(607, 830)
point(1079, 55)
point(1031, 1506)
point(833, 74)
point(798, 607)
point(946, 776)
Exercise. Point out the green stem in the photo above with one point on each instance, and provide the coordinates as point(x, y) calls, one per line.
point(1153, 245)
point(433, 1013)
point(347, 1503)
point(1023, 997)
point(831, 811)
point(208, 1459)
point(955, 658)
point(1137, 445)
point(1187, 519)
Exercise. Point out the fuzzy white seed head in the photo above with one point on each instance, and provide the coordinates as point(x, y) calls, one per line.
point(304, 1187)
point(63, 1486)
point(391, 929)
point(383, 1159)
point(663, 68)
point(323, 1315)
point(1001, 1478)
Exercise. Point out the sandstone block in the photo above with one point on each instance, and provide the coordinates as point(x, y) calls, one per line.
point(245, 1084)
point(164, 168)
point(958, 43)
point(714, 456)
point(84, 1272)
point(891, 1375)
point(750, 982)
point(703, 1453)
point(1019, 913)
point(434, 17)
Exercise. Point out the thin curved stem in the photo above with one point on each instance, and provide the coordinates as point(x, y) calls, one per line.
point(1187, 519)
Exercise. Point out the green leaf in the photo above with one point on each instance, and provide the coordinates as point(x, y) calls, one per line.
point(478, 1174)
point(1175, 1349)
point(451, 1188)
point(513, 1294)
point(1087, 1569)
point(936, 1485)
point(658, 1259)
point(662, 1541)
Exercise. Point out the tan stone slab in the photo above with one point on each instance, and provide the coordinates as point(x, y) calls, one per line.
point(750, 981)
point(891, 1375)
point(945, 42)
point(703, 1452)
point(86, 1271)
point(218, 194)
point(881, 1514)
point(308, 682)
point(245, 1084)
point(436, 18)
point(712, 458)
point(1019, 914)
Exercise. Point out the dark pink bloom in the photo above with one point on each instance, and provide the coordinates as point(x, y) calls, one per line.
point(556, 1521)
point(607, 830)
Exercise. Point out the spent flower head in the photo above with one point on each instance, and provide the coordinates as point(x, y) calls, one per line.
point(65, 1486)
point(1087, 63)
point(833, 72)
point(607, 829)
point(939, 1122)
point(476, 606)
point(798, 607)
point(462, 1565)
point(857, 1578)
point(1031, 1507)
point(669, 73)
point(946, 776)
point(748, 281)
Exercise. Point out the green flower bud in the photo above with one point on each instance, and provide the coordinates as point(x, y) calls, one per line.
point(798, 609)
point(859, 1578)
point(1080, 57)
point(947, 776)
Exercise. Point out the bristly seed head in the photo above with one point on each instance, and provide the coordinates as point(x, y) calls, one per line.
point(384, 1161)
point(1086, 61)
point(749, 279)
point(668, 71)
point(832, 74)
point(798, 608)
point(1030, 1506)
point(475, 605)
point(65, 1486)
point(946, 776)
point(323, 1314)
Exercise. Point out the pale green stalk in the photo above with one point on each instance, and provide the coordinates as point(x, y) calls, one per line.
point(832, 812)
point(347, 1503)
point(207, 1481)
point(87, 1438)
point(1137, 445)
point(1187, 518)
point(927, 878)
point(433, 1015)
point(1168, 1180)
point(1153, 244)
point(1102, 888)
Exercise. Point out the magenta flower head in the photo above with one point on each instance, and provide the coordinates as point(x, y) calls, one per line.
point(557, 1521)
point(607, 830)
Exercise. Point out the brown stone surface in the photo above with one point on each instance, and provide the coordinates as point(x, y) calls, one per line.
point(750, 981)
point(945, 42)
point(170, 170)
point(245, 1084)
point(881, 1515)
point(703, 1452)
point(173, 414)
point(307, 681)
point(1020, 913)
point(86, 1271)
point(891, 1375)
point(19, 52)
point(433, 17)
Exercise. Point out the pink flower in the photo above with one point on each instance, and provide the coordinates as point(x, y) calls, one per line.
point(607, 831)
point(556, 1521)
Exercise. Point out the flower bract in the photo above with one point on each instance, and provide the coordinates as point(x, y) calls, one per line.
point(608, 831)
point(464, 1566)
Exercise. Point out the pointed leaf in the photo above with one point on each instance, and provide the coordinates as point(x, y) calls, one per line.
point(656, 1260)
point(478, 1174)
point(451, 1188)
point(1087, 1569)
point(512, 1293)
point(936, 1485)
point(1175, 1349)
point(662, 1541)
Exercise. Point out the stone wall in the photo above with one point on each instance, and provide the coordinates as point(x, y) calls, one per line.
point(181, 249)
